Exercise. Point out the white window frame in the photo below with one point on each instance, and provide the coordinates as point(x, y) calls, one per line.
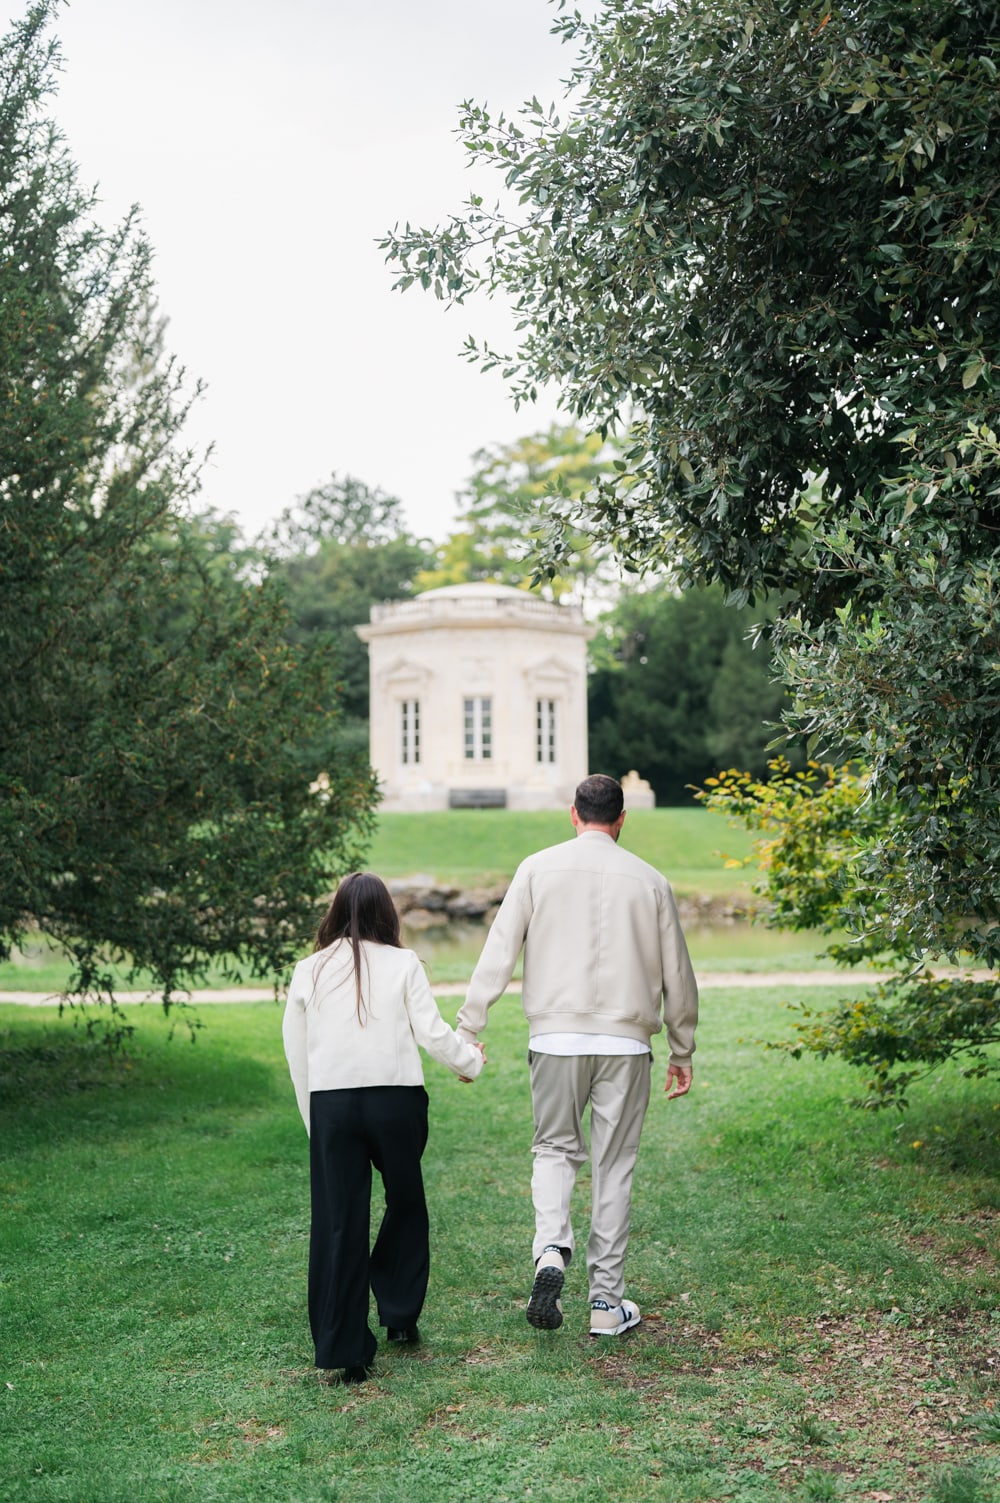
point(546, 731)
point(409, 732)
point(477, 724)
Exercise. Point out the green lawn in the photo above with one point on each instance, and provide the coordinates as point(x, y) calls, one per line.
point(451, 953)
point(466, 846)
point(820, 1288)
point(38, 966)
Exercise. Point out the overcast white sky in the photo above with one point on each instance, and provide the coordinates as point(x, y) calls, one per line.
point(270, 143)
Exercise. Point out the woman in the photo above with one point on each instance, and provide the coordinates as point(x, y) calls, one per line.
point(356, 1011)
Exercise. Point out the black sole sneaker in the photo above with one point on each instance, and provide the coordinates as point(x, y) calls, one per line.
point(544, 1310)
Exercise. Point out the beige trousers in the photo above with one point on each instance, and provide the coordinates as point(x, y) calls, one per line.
point(617, 1088)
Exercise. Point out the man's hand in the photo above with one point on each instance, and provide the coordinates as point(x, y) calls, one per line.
point(467, 1079)
point(680, 1077)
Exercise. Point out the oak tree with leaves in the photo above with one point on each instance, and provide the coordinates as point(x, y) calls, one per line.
point(503, 509)
point(766, 237)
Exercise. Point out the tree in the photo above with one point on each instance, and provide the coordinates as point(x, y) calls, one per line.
point(344, 511)
point(502, 513)
point(199, 545)
point(151, 806)
point(775, 231)
point(817, 828)
point(336, 552)
point(772, 231)
point(678, 688)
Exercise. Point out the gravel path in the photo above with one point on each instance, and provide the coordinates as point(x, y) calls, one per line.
point(707, 981)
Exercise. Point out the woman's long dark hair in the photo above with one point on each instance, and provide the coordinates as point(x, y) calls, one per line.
point(362, 909)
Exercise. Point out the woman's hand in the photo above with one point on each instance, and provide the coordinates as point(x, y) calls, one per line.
point(467, 1079)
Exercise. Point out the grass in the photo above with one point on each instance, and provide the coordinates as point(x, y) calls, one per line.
point(38, 966)
point(466, 847)
point(471, 846)
point(820, 1288)
point(451, 953)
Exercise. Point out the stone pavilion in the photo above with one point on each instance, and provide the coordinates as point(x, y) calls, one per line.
point(478, 699)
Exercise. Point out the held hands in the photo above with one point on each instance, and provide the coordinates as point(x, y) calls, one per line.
point(467, 1079)
point(680, 1077)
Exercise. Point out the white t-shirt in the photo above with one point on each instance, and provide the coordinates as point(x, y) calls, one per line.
point(585, 1043)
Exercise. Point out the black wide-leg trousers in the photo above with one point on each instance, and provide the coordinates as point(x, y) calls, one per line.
point(350, 1132)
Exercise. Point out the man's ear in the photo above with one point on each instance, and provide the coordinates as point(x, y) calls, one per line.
point(574, 816)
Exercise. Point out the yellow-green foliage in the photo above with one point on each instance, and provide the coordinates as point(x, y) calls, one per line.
point(810, 826)
point(813, 831)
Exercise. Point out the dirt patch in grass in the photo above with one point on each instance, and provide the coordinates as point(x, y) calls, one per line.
point(976, 1254)
point(224, 1440)
point(843, 1393)
point(484, 1356)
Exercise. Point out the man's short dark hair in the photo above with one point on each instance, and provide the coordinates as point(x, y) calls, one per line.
point(599, 800)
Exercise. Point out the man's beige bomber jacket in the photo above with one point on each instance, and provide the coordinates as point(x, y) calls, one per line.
point(603, 948)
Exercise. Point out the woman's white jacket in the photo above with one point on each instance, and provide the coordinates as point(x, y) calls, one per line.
point(328, 1049)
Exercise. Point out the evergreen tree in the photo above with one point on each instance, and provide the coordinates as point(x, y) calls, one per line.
point(151, 803)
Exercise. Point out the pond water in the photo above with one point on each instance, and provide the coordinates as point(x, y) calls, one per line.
point(450, 951)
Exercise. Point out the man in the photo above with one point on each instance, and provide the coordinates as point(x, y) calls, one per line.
point(605, 967)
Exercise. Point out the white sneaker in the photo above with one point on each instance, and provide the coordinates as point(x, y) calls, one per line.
point(545, 1311)
point(612, 1320)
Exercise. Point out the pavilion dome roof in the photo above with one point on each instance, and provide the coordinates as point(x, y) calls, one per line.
point(479, 589)
point(481, 603)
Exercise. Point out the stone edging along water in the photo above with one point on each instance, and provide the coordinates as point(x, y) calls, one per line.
point(424, 903)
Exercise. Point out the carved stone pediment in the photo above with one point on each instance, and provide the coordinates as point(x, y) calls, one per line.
point(403, 673)
point(550, 673)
